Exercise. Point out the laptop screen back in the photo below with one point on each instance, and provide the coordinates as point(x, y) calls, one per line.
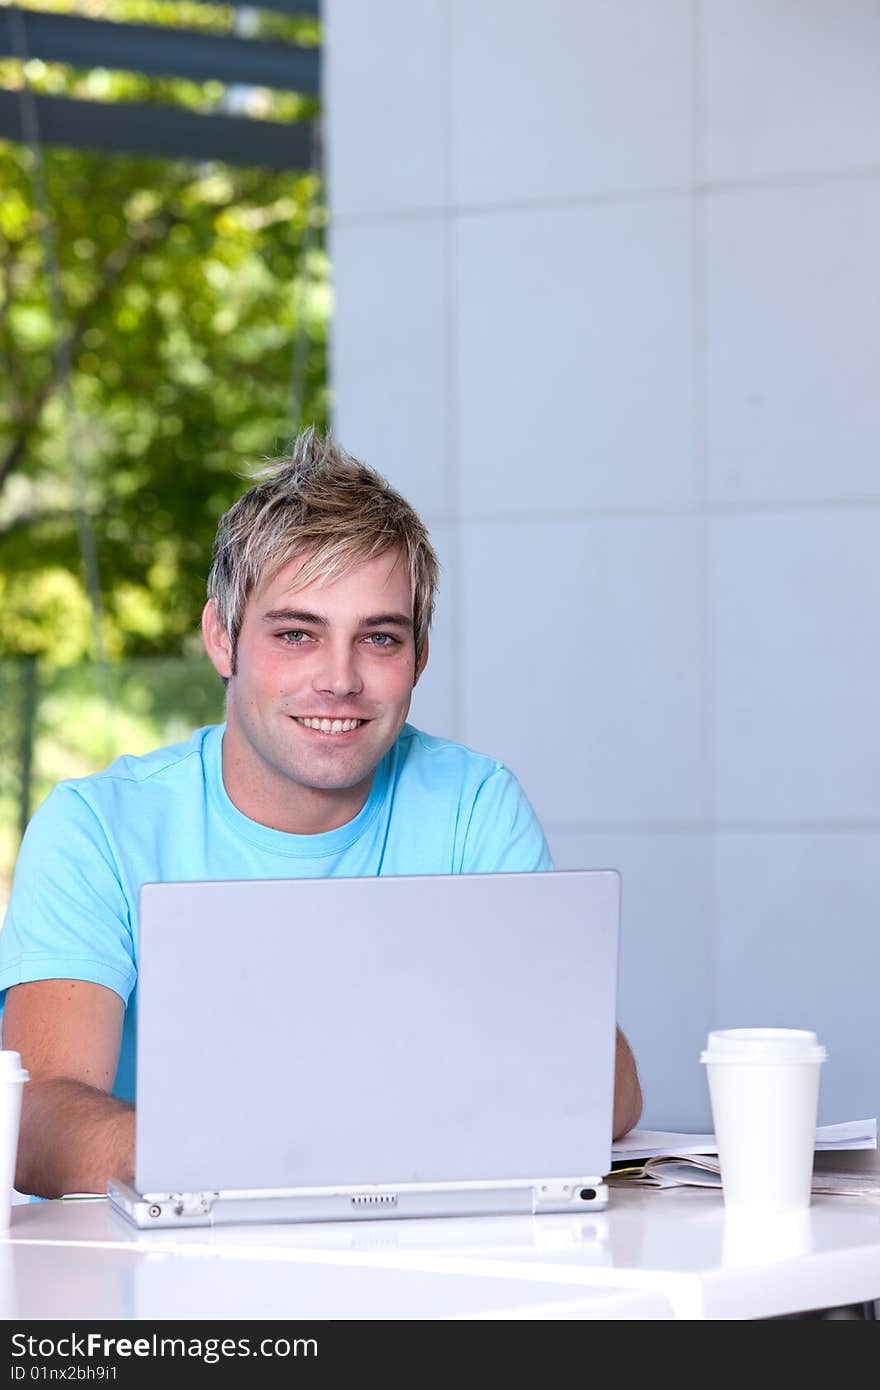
point(336, 1032)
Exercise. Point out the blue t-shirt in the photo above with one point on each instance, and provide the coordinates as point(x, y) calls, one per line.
point(434, 807)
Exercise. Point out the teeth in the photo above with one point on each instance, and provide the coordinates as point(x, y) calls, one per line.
point(331, 726)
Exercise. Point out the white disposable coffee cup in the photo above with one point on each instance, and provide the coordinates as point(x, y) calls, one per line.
point(12, 1078)
point(764, 1091)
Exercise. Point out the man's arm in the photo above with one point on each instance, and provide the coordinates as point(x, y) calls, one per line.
point(74, 1135)
point(627, 1091)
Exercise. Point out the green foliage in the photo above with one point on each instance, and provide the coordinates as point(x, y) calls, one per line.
point(183, 289)
point(69, 721)
point(184, 14)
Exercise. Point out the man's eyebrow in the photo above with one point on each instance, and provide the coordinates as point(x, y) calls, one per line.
point(294, 615)
point(387, 620)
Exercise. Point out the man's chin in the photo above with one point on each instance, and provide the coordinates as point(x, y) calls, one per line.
point(332, 779)
point(316, 784)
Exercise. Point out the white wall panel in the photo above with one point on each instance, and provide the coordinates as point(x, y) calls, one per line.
point(796, 665)
point(797, 946)
point(790, 86)
point(567, 99)
point(387, 98)
point(391, 354)
point(583, 664)
point(576, 362)
point(793, 365)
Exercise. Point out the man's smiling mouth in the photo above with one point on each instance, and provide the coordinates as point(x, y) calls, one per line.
point(329, 726)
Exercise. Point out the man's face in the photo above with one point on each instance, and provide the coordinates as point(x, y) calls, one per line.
point(323, 682)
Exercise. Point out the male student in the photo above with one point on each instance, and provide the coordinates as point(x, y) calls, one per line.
point(320, 597)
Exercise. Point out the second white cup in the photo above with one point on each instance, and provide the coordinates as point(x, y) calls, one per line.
point(764, 1091)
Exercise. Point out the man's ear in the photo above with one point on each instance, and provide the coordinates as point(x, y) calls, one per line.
point(422, 663)
point(218, 643)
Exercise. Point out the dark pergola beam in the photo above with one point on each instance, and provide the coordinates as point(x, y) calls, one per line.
point(305, 7)
point(168, 131)
point(97, 43)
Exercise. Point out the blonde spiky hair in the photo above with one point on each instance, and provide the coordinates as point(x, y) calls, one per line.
point(319, 502)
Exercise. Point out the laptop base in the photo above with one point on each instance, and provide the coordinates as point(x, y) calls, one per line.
point(175, 1209)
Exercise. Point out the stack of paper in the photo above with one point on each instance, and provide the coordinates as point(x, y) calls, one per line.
point(673, 1160)
point(656, 1143)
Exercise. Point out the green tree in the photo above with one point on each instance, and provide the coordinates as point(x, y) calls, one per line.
point(184, 288)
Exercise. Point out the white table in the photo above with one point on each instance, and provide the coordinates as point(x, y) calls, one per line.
point(653, 1254)
point(79, 1261)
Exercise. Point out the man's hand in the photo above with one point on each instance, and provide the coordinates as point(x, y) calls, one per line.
point(74, 1135)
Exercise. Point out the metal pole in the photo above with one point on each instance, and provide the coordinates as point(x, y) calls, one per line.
point(28, 668)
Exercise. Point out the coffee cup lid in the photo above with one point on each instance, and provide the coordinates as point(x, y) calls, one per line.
point(763, 1045)
point(11, 1068)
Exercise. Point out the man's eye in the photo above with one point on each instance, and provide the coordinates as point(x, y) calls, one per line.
point(382, 639)
point(294, 637)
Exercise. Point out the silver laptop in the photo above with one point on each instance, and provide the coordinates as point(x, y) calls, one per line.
point(341, 1049)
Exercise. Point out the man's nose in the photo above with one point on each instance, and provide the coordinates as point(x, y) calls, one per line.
point(338, 672)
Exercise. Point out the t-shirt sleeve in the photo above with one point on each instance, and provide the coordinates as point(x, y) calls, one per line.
point(68, 916)
point(503, 834)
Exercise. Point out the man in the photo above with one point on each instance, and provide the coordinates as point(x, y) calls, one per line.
point(320, 598)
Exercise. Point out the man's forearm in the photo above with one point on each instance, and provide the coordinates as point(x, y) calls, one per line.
point(73, 1138)
point(627, 1091)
